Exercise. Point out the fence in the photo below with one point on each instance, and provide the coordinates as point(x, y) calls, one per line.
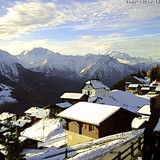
point(131, 150)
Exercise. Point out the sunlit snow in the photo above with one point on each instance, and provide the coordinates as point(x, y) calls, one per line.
point(5, 94)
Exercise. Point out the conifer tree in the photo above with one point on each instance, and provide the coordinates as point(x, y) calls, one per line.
point(158, 76)
point(11, 144)
point(153, 74)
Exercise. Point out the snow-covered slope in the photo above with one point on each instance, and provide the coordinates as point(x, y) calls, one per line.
point(43, 58)
point(5, 94)
point(108, 70)
point(8, 65)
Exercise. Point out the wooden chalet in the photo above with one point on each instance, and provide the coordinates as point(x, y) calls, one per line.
point(95, 120)
point(133, 88)
point(135, 80)
point(74, 97)
point(59, 107)
point(145, 89)
point(27, 142)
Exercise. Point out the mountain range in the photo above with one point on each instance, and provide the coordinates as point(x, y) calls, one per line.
point(40, 76)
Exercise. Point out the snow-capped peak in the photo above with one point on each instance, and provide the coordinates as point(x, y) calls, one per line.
point(127, 59)
point(5, 57)
point(8, 65)
point(25, 52)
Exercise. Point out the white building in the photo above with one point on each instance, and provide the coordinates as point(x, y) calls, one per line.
point(95, 88)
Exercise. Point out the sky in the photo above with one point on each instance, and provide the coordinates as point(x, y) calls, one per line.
point(79, 27)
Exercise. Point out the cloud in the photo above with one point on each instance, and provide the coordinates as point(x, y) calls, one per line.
point(26, 17)
point(110, 15)
point(105, 15)
point(108, 37)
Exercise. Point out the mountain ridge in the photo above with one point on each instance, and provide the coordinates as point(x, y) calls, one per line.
point(75, 67)
point(80, 67)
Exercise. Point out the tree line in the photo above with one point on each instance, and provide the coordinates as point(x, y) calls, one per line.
point(154, 74)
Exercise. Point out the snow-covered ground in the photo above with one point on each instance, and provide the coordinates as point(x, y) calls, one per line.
point(5, 94)
point(89, 150)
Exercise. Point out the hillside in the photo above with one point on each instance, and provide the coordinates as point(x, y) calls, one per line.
point(36, 89)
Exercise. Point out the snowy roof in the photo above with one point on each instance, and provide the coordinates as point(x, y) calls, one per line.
point(141, 80)
point(89, 112)
point(128, 82)
point(133, 85)
point(6, 115)
point(145, 110)
point(157, 88)
point(124, 100)
point(155, 83)
point(157, 128)
point(37, 112)
point(21, 122)
point(3, 129)
point(31, 110)
point(96, 84)
point(64, 105)
point(41, 129)
point(137, 122)
point(69, 95)
point(23, 138)
point(145, 88)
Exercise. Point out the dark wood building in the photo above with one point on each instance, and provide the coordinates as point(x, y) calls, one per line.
point(133, 88)
point(145, 89)
point(135, 80)
point(97, 120)
point(28, 142)
point(59, 107)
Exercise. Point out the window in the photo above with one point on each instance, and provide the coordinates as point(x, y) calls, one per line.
point(91, 127)
point(85, 126)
